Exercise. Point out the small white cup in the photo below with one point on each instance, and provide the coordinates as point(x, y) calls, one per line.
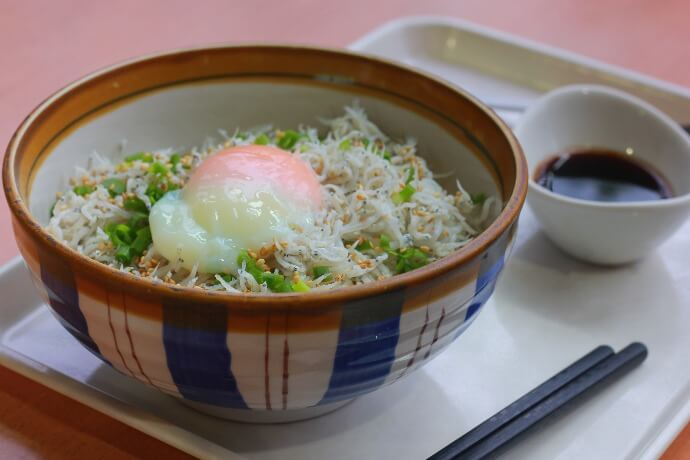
point(583, 117)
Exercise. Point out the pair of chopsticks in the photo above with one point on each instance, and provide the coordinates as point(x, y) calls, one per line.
point(588, 373)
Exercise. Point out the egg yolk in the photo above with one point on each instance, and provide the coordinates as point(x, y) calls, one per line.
point(240, 198)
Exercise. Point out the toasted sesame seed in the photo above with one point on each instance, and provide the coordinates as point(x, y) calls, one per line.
point(261, 263)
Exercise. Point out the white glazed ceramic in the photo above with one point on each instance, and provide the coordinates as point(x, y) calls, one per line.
point(586, 116)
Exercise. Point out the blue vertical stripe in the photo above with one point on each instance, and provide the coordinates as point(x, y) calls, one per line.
point(198, 358)
point(63, 297)
point(486, 282)
point(369, 332)
point(490, 267)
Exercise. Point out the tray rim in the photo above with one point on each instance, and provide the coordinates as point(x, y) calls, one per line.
point(363, 43)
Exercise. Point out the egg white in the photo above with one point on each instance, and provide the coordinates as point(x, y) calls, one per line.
point(210, 225)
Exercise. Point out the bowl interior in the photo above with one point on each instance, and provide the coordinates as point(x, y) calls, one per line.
point(593, 117)
point(186, 115)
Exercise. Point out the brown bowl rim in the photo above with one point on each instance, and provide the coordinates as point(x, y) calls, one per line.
point(507, 216)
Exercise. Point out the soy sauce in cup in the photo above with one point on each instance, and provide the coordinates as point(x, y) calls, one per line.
point(602, 175)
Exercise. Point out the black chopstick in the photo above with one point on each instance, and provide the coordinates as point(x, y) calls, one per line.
point(595, 368)
point(529, 400)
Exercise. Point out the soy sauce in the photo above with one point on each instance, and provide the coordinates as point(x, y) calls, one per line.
point(602, 175)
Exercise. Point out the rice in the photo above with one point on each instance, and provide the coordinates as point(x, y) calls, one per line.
point(383, 214)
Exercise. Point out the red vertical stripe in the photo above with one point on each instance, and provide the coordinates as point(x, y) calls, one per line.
point(112, 330)
point(419, 344)
point(266, 356)
point(438, 327)
point(131, 343)
point(286, 360)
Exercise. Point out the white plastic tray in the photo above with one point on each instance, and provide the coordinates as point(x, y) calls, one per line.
point(547, 311)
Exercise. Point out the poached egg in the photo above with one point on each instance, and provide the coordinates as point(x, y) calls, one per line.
point(243, 197)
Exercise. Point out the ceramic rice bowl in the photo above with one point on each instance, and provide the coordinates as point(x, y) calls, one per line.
point(260, 357)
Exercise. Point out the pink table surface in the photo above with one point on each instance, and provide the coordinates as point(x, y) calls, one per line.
point(46, 44)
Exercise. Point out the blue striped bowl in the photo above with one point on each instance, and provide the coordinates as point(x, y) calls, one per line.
point(262, 358)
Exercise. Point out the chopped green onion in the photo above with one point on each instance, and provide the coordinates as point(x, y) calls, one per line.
point(123, 254)
point(406, 259)
point(138, 219)
point(123, 233)
point(274, 281)
point(158, 169)
point(345, 145)
point(146, 157)
point(250, 266)
point(321, 270)
point(410, 259)
point(154, 193)
point(478, 199)
point(109, 228)
point(366, 142)
point(410, 176)
point(384, 242)
point(300, 286)
point(135, 204)
point(289, 139)
point(174, 160)
point(365, 245)
point(387, 155)
point(142, 241)
point(243, 258)
point(82, 190)
point(261, 139)
point(114, 186)
point(52, 209)
point(129, 241)
point(404, 195)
